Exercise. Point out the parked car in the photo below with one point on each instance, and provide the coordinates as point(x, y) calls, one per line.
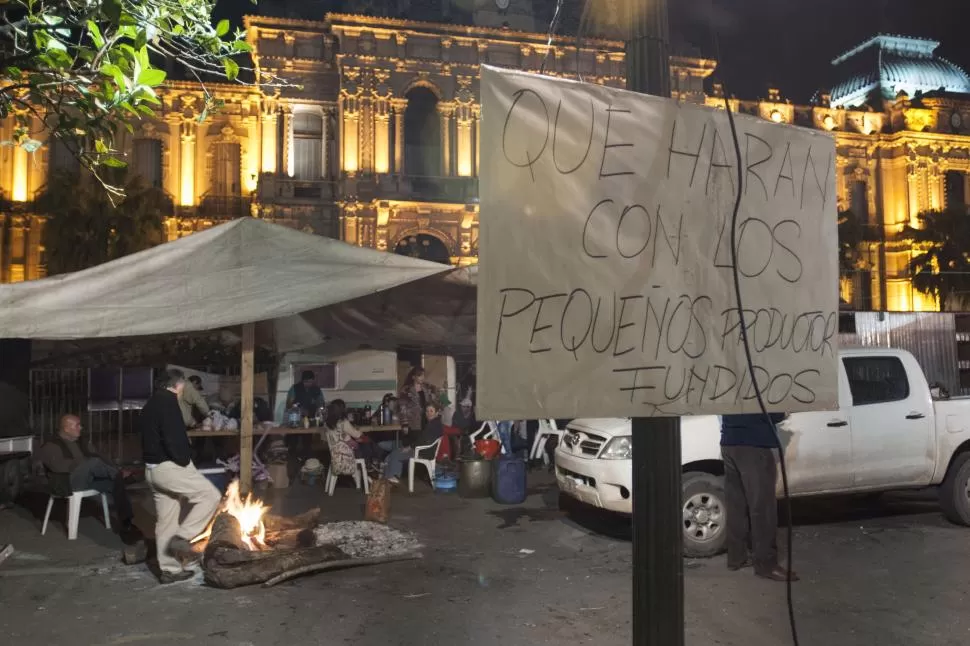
point(888, 434)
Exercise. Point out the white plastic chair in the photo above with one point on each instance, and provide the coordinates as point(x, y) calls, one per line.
point(360, 474)
point(488, 430)
point(426, 463)
point(547, 429)
point(74, 510)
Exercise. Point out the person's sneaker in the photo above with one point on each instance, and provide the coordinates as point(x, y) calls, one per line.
point(175, 577)
point(394, 480)
point(182, 550)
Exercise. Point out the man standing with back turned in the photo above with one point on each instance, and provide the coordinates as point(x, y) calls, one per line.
point(747, 448)
point(172, 477)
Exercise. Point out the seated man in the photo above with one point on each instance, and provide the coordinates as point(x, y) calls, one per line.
point(72, 466)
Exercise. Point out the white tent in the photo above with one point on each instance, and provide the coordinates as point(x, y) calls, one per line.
point(240, 273)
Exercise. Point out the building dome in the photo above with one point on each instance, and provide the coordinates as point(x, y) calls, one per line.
point(890, 65)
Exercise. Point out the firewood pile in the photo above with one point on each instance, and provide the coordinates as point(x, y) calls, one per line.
point(294, 546)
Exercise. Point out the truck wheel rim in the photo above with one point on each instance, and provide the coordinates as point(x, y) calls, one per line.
point(703, 517)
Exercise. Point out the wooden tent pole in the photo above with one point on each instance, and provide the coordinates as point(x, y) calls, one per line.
point(246, 403)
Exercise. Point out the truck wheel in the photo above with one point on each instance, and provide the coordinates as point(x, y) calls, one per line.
point(704, 514)
point(955, 491)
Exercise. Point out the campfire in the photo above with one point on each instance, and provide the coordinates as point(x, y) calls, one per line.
point(248, 513)
point(245, 545)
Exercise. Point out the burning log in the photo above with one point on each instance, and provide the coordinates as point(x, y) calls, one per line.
point(245, 546)
point(228, 563)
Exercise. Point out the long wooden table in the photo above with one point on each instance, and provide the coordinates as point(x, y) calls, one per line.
point(285, 430)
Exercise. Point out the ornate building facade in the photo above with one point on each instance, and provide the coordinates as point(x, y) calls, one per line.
point(377, 140)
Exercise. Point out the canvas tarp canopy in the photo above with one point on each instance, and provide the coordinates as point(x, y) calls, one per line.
point(244, 271)
point(434, 314)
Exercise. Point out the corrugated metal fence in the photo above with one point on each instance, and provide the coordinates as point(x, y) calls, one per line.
point(107, 400)
point(930, 336)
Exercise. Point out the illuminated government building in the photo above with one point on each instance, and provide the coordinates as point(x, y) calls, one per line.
point(378, 141)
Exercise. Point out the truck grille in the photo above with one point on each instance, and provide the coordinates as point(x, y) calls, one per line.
point(588, 443)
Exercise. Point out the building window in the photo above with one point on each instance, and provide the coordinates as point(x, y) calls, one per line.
point(425, 247)
point(307, 145)
point(422, 134)
point(146, 161)
point(860, 201)
point(225, 169)
point(955, 187)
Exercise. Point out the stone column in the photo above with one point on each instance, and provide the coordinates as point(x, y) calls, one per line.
point(382, 134)
point(287, 142)
point(18, 251)
point(935, 182)
point(34, 246)
point(187, 137)
point(328, 162)
point(446, 110)
point(912, 186)
point(349, 130)
point(477, 113)
point(269, 133)
point(399, 106)
point(464, 162)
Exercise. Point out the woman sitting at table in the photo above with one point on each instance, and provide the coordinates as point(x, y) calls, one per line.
point(412, 439)
point(347, 444)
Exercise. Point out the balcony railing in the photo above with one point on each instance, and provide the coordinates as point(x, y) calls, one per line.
point(223, 207)
point(273, 188)
point(461, 190)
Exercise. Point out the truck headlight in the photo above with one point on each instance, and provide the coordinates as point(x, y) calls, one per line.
point(619, 448)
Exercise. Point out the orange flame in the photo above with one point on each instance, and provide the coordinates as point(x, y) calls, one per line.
point(249, 513)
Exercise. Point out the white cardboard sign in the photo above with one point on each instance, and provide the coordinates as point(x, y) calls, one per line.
point(605, 280)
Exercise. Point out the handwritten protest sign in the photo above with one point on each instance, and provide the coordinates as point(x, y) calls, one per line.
point(605, 284)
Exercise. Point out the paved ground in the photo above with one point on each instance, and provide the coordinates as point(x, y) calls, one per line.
point(890, 574)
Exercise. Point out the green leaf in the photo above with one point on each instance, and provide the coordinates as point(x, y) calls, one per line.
point(13, 72)
point(109, 69)
point(95, 33)
point(113, 162)
point(151, 77)
point(241, 46)
point(222, 28)
point(232, 68)
point(100, 146)
point(111, 10)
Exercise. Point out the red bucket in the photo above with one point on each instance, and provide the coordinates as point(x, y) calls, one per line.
point(488, 449)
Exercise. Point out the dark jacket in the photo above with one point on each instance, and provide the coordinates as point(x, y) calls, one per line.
point(59, 461)
point(750, 430)
point(163, 435)
point(432, 431)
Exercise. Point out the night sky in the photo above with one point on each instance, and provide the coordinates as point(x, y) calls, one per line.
point(791, 43)
point(787, 43)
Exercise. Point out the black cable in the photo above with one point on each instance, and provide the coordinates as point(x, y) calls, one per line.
point(580, 37)
point(744, 333)
point(553, 25)
point(747, 353)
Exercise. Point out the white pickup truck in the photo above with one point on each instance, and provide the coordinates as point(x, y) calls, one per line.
point(889, 434)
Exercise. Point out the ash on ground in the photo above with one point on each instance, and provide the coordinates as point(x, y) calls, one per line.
point(362, 539)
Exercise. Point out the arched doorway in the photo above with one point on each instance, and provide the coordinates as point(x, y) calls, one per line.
point(425, 247)
point(422, 134)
